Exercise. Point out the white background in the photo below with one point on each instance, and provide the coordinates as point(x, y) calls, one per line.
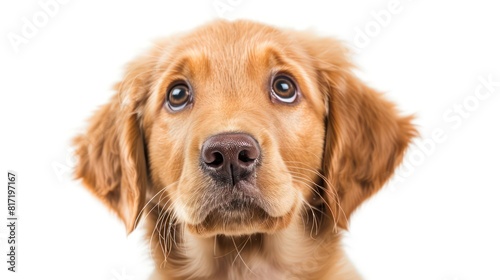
point(442, 222)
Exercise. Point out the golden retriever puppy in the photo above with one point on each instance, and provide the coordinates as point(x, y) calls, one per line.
point(245, 149)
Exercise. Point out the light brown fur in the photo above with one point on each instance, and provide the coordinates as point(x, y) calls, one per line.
point(322, 157)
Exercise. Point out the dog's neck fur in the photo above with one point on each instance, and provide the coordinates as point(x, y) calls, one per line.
point(306, 249)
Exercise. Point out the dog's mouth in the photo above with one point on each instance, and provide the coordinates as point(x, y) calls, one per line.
point(231, 219)
point(237, 205)
point(236, 214)
point(234, 208)
point(226, 201)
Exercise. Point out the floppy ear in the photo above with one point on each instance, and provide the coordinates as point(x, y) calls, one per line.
point(111, 153)
point(365, 136)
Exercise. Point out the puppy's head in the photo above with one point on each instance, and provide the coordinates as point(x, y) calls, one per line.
point(237, 127)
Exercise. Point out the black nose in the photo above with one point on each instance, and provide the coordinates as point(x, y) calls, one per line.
point(230, 157)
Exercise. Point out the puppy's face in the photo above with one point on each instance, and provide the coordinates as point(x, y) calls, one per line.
point(237, 128)
point(236, 131)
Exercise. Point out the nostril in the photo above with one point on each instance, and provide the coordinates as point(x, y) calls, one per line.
point(216, 160)
point(244, 156)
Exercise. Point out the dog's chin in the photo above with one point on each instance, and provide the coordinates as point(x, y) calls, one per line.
point(239, 217)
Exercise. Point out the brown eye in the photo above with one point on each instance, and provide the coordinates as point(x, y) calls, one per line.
point(178, 97)
point(284, 89)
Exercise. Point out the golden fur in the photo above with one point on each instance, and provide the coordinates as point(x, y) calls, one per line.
point(322, 156)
